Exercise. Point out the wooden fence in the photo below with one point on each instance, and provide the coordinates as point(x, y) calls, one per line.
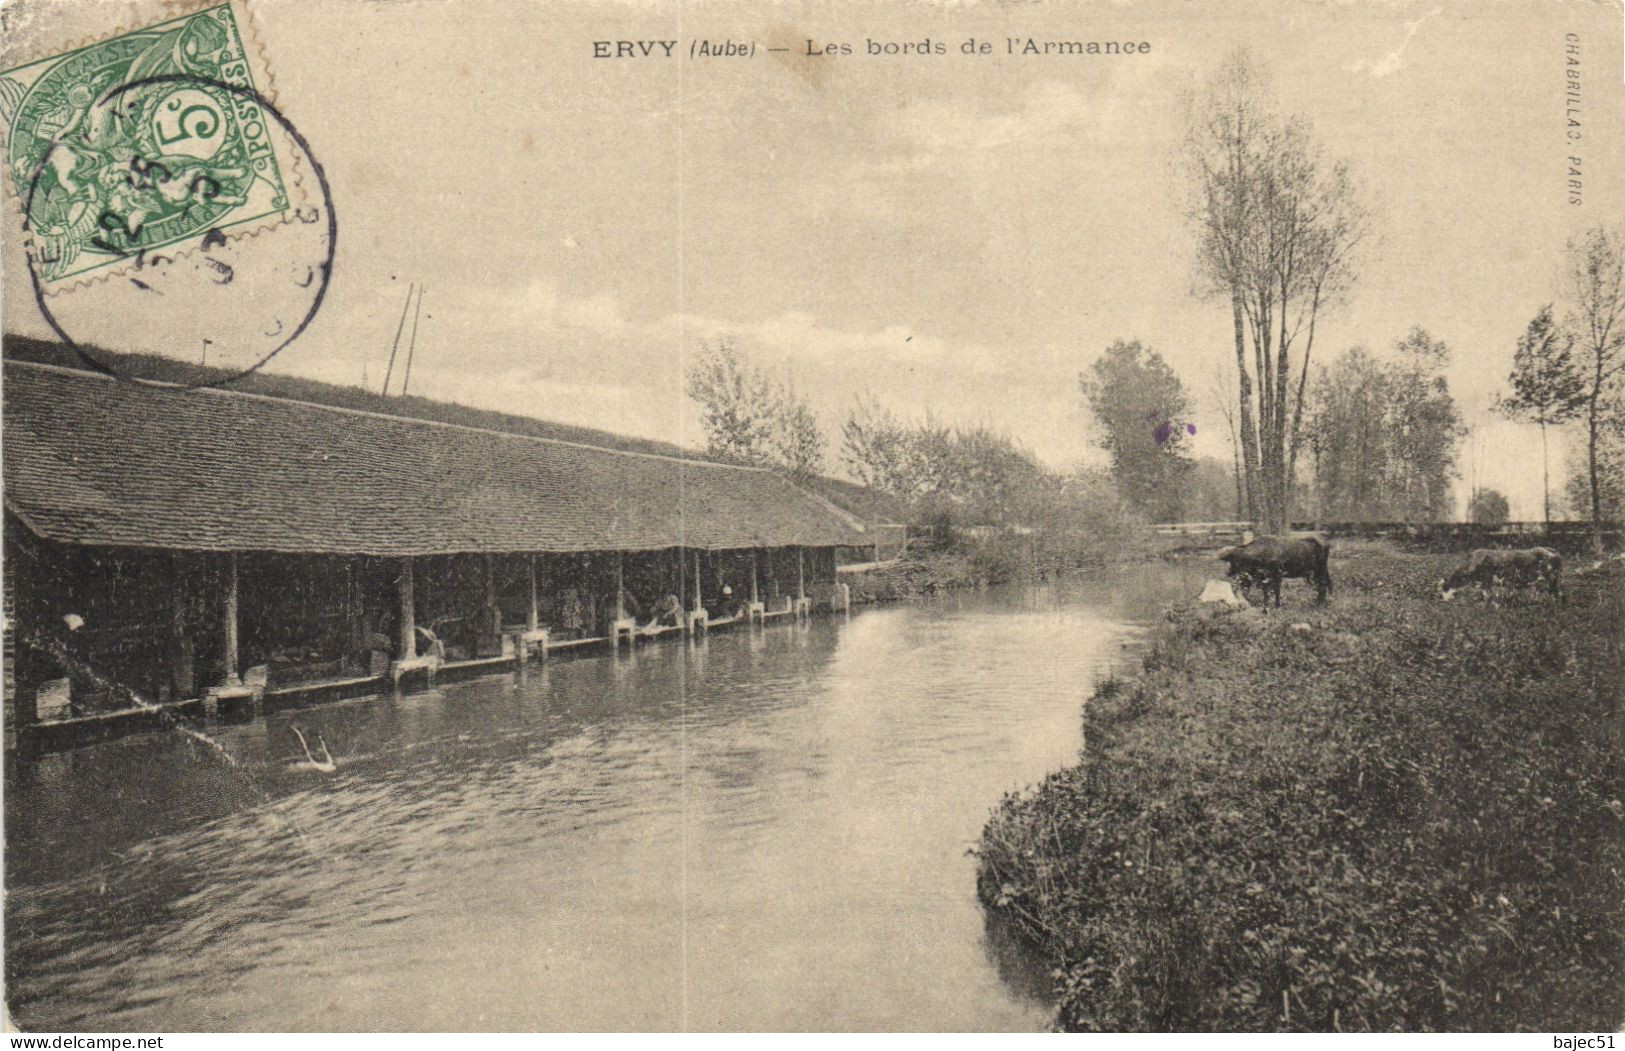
point(1566, 535)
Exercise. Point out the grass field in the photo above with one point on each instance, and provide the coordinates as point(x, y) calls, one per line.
point(1387, 813)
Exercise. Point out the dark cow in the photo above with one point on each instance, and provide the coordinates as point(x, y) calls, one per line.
point(1490, 567)
point(1270, 559)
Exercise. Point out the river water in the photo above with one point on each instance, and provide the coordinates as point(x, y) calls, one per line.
point(766, 830)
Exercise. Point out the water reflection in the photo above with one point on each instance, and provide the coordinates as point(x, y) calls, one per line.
point(747, 832)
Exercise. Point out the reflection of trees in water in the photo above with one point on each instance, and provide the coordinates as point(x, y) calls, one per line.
point(60, 822)
point(500, 770)
point(1138, 592)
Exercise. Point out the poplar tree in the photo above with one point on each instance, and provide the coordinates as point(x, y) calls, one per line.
point(1547, 387)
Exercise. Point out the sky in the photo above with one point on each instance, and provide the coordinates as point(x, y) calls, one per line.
point(946, 234)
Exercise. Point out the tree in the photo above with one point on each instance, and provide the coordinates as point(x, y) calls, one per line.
point(949, 475)
point(1424, 429)
point(1547, 387)
point(991, 477)
point(1348, 438)
point(747, 415)
point(737, 403)
point(1210, 491)
point(1088, 503)
point(1277, 226)
point(1596, 280)
point(797, 440)
point(1384, 434)
point(1488, 508)
point(1219, 393)
point(1610, 468)
point(1140, 410)
point(875, 446)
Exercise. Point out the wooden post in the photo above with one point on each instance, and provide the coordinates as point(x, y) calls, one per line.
point(801, 573)
point(22, 657)
point(353, 655)
point(408, 643)
point(22, 687)
point(533, 619)
point(229, 674)
point(489, 614)
point(699, 602)
point(754, 596)
point(183, 673)
point(620, 589)
point(489, 641)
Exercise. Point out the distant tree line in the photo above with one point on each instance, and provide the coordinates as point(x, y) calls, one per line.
point(1570, 371)
point(1364, 437)
point(1594, 279)
point(954, 476)
point(1277, 228)
point(965, 475)
point(1383, 435)
point(943, 474)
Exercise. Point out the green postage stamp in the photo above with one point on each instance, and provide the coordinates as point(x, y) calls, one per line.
point(147, 139)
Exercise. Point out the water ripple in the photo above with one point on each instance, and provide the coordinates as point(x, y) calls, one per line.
point(789, 814)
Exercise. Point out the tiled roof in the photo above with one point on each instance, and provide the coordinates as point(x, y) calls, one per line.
point(868, 505)
point(94, 460)
point(298, 388)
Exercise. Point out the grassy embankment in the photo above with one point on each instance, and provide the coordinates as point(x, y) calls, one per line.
point(1410, 815)
point(928, 568)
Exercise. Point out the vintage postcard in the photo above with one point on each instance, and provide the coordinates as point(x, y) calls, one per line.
point(813, 515)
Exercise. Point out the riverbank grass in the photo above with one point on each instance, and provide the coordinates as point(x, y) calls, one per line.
point(1388, 813)
point(931, 567)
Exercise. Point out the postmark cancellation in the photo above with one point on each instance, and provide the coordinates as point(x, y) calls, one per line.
point(150, 138)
